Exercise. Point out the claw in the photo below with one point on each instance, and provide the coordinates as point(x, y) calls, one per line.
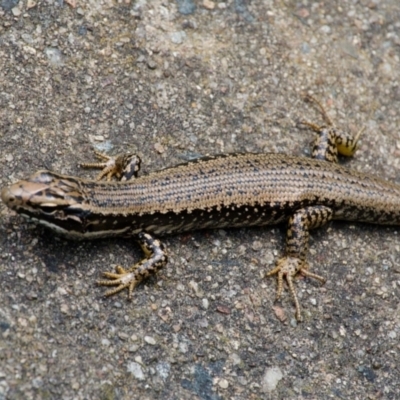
point(122, 278)
point(289, 267)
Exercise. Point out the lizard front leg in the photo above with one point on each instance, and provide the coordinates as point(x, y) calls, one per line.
point(125, 167)
point(156, 258)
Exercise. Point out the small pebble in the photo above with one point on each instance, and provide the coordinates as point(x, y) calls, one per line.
point(163, 369)
point(257, 245)
point(325, 29)
point(54, 56)
point(136, 370)
point(134, 348)
point(159, 148)
point(271, 378)
point(178, 37)
point(150, 340)
point(37, 382)
point(392, 335)
point(208, 4)
point(186, 7)
point(16, 12)
point(30, 4)
point(205, 303)
point(151, 64)
point(223, 384)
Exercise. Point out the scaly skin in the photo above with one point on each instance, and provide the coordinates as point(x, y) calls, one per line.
point(231, 190)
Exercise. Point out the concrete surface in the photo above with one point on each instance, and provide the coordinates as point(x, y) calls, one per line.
point(172, 81)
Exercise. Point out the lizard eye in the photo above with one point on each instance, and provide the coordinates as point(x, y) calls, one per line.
point(48, 209)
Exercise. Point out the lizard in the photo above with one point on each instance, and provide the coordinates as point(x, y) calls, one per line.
point(219, 191)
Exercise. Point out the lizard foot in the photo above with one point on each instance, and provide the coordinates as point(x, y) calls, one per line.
point(289, 267)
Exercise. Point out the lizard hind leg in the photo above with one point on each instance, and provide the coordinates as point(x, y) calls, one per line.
point(330, 141)
point(294, 262)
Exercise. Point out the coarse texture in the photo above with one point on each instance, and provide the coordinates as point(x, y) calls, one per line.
point(142, 77)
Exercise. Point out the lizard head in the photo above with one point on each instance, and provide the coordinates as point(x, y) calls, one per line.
point(48, 198)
